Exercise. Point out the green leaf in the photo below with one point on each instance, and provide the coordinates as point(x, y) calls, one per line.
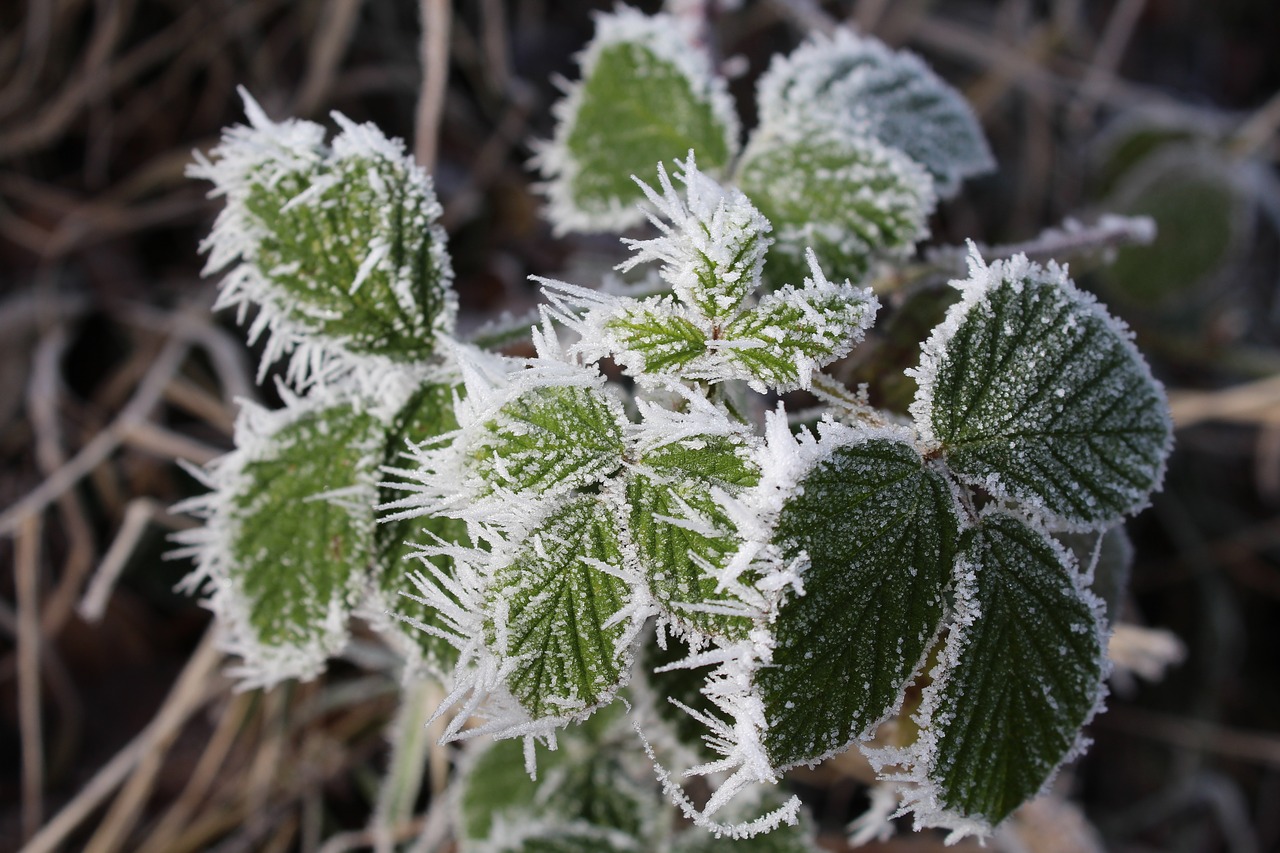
point(647, 95)
point(496, 782)
point(1021, 673)
point(653, 336)
point(427, 415)
point(784, 839)
point(682, 535)
point(302, 535)
point(1203, 220)
point(877, 530)
point(856, 85)
point(1033, 392)
point(794, 331)
point(849, 198)
point(551, 438)
point(557, 612)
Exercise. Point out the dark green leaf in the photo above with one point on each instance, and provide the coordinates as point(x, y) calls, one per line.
point(1034, 393)
point(1022, 672)
point(879, 530)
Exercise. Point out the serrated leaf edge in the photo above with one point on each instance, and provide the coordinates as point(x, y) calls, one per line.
point(670, 39)
point(919, 794)
point(983, 279)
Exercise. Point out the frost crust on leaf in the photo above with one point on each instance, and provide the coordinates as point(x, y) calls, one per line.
point(1034, 393)
point(646, 95)
point(337, 248)
point(851, 199)
point(288, 534)
point(862, 88)
point(1021, 672)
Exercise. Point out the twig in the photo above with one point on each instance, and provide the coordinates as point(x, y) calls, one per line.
point(1253, 747)
point(27, 584)
point(167, 444)
point(1107, 56)
point(434, 55)
point(160, 839)
point(104, 443)
point(42, 395)
point(1068, 240)
point(139, 513)
point(410, 744)
point(338, 20)
point(191, 690)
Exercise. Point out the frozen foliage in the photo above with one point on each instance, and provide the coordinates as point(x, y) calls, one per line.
point(336, 248)
point(711, 250)
point(859, 87)
point(289, 533)
point(677, 555)
point(1033, 392)
point(849, 199)
point(647, 95)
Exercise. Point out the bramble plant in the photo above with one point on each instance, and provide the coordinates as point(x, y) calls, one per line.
point(749, 586)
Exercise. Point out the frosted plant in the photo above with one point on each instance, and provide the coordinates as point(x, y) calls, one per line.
point(683, 573)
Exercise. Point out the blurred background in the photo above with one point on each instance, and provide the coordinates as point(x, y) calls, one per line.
point(117, 731)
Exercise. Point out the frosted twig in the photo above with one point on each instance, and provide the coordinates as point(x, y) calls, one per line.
point(1071, 239)
point(27, 585)
point(411, 744)
point(190, 691)
point(434, 55)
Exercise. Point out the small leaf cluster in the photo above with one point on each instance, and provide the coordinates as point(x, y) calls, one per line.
point(764, 594)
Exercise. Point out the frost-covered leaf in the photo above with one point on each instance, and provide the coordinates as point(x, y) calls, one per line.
point(713, 241)
point(338, 247)
point(784, 839)
point(561, 615)
point(289, 536)
point(647, 95)
point(1020, 675)
point(794, 331)
point(874, 529)
point(1033, 392)
point(655, 337)
point(427, 415)
point(550, 438)
point(495, 781)
point(861, 87)
point(851, 199)
point(682, 534)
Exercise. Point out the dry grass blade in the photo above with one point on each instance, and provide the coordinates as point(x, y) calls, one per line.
point(434, 55)
point(194, 687)
point(27, 583)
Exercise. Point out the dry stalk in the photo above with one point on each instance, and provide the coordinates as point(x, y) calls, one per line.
point(27, 584)
point(434, 55)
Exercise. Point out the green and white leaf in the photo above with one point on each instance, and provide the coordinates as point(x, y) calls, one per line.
point(872, 530)
point(713, 242)
point(530, 835)
point(858, 86)
point(793, 332)
point(851, 199)
point(655, 336)
point(1021, 672)
point(563, 612)
point(647, 95)
point(1034, 393)
point(289, 535)
point(426, 417)
point(681, 531)
point(548, 439)
point(338, 249)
